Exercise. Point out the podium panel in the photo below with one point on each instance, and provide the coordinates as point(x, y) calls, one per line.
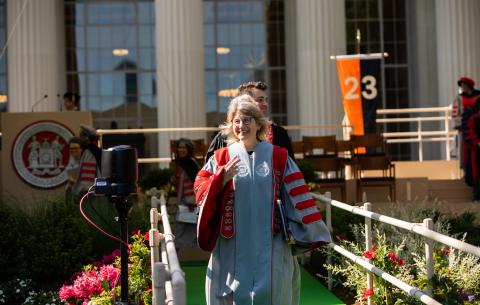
point(35, 154)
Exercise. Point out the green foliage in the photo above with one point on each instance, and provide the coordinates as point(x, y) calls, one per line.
point(12, 228)
point(308, 170)
point(139, 274)
point(466, 223)
point(57, 242)
point(384, 255)
point(156, 177)
point(457, 274)
point(23, 291)
point(50, 242)
point(341, 223)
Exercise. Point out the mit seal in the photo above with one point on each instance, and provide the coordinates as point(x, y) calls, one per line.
point(40, 154)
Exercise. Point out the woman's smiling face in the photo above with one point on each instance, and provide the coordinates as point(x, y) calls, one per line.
point(244, 127)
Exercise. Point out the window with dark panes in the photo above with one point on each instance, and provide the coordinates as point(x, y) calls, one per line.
point(244, 40)
point(111, 60)
point(383, 29)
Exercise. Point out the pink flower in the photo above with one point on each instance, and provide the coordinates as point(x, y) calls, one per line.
point(109, 274)
point(110, 258)
point(67, 292)
point(367, 293)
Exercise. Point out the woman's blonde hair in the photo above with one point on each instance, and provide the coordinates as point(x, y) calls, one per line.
point(246, 105)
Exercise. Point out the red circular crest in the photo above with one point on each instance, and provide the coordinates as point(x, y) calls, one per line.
point(41, 155)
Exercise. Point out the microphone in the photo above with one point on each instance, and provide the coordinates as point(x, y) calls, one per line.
point(37, 102)
point(59, 101)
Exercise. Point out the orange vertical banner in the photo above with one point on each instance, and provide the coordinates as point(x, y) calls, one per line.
point(349, 77)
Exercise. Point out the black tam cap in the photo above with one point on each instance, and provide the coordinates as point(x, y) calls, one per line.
point(90, 132)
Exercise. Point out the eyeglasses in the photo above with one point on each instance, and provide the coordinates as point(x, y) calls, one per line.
point(246, 120)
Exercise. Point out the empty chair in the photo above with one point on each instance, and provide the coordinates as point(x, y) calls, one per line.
point(369, 144)
point(297, 147)
point(374, 172)
point(330, 173)
point(319, 146)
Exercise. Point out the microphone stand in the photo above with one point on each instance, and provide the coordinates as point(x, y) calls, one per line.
point(36, 103)
point(123, 208)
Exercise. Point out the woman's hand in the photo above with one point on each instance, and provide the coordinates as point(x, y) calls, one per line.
point(230, 170)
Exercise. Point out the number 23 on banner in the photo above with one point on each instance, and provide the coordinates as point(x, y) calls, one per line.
point(370, 91)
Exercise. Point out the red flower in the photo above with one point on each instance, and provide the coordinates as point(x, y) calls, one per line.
point(393, 257)
point(370, 254)
point(367, 293)
point(147, 236)
point(445, 251)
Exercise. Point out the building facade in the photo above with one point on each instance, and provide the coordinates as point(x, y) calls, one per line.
point(166, 63)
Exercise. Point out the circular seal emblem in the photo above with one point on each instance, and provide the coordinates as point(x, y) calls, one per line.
point(262, 169)
point(40, 154)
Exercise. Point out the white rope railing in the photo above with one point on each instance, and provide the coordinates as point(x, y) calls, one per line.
point(168, 279)
point(424, 229)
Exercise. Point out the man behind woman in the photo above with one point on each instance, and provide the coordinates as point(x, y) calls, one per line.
point(236, 191)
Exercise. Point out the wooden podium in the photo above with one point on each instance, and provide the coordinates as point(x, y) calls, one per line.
point(35, 154)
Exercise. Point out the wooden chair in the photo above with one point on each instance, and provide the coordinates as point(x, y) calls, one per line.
point(330, 173)
point(319, 146)
point(379, 164)
point(373, 144)
point(344, 151)
point(200, 148)
point(297, 147)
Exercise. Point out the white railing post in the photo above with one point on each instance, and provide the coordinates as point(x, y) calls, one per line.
point(368, 246)
point(420, 140)
point(428, 223)
point(159, 278)
point(154, 242)
point(447, 135)
point(328, 212)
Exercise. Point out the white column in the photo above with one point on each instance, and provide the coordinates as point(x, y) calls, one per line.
point(180, 68)
point(458, 45)
point(421, 55)
point(36, 54)
point(291, 60)
point(320, 32)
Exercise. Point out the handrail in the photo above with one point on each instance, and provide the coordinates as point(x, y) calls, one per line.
point(424, 229)
point(409, 226)
point(172, 282)
point(103, 132)
point(413, 110)
point(420, 136)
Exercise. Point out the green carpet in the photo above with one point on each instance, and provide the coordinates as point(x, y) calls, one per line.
point(312, 293)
